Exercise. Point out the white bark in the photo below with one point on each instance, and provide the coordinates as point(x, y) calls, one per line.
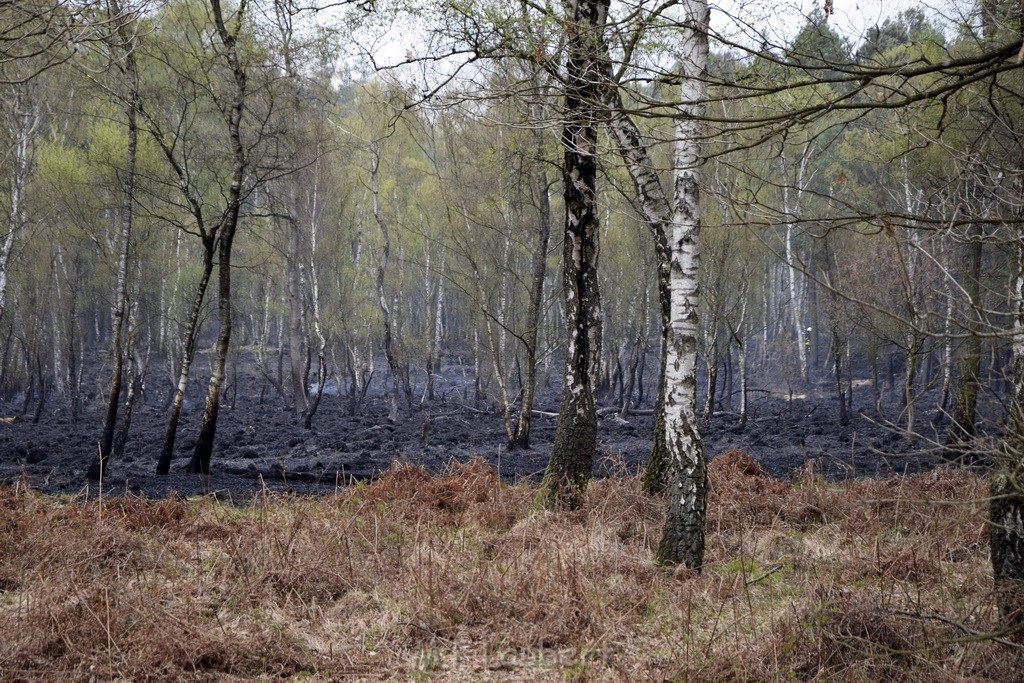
point(23, 120)
point(683, 537)
point(795, 299)
point(382, 300)
point(1006, 506)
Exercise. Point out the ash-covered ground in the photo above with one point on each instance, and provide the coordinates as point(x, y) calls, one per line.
point(263, 444)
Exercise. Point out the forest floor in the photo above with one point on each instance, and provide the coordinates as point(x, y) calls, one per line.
point(459, 577)
point(261, 443)
point(834, 552)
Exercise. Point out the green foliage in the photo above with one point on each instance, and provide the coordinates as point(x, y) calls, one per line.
point(818, 46)
point(909, 27)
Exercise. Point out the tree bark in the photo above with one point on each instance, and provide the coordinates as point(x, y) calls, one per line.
point(538, 273)
point(382, 300)
point(201, 455)
point(23, 122)
point(436, 332)
point(682, 540)
point(946, 360)
point(1006, 509)
point(200, 463)
point(965, 400)
point(318, 326)
point(135, 378)
point(837, 359)
point(638, 350)
point(126, 47)
point(712, 377)
point(738, 334)
point(187, 355)
point(572, 453)
point(656, 209)
point(300, 401)
point(909, 380)
point(795, 301)
point(284, 16)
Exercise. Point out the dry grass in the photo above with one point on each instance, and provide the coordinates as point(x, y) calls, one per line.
point(459, 578)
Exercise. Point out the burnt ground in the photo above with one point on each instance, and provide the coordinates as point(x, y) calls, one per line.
point(264, 445)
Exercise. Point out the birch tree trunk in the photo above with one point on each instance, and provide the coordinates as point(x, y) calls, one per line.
point(187, 354)
point(436, 330)
point(738, 333)
point(657, 212)
point(712, 360)
point(313, 199)
point(912, 346)
point(135, 375)
point(790, 208)
point(124, 52)
point(1006, 509)
point(295, 291)
point(538, 273)
point(639, 348)
point(200, 463)
point(947, 347)
point(682, 540)
point(742, 353)
point(493, 344)
point(382, 299)
point(836, 348)
point(965, 400)
point(572, 453)
point(795, 307)
point(284, 15)
point(208, 238)
point(23, 121)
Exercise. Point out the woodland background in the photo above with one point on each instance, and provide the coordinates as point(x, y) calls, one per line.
point(262, 248)
point(860, 195)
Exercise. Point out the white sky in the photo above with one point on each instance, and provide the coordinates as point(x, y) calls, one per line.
point(746, 22)
point(781, 19)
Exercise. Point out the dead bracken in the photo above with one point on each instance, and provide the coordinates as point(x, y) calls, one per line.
point(460, 577)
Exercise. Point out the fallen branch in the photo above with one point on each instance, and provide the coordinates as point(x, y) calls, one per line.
point(764, 576)
point(472, 410)
point(975, 634)
point(613, 410)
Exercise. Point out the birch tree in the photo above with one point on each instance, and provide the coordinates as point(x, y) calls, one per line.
point(123, 44)
point(382, 296)
point(572, 453)
point(173, 136)
point(20, 111)
point(1006, 509)
point(654, 205)
point(682, 540)
point(228, 31)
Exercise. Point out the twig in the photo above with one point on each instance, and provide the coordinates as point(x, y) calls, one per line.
point(928, 501)
point(981, 635)
point(471, 409)
point(371, 429)
point(764, 576)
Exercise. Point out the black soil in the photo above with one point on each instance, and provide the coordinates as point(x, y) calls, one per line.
point(263, 444)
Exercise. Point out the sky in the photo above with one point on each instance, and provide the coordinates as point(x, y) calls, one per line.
point(781, 19)
point(751, 23)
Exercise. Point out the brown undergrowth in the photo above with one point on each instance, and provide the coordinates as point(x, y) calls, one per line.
point(459, 578)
